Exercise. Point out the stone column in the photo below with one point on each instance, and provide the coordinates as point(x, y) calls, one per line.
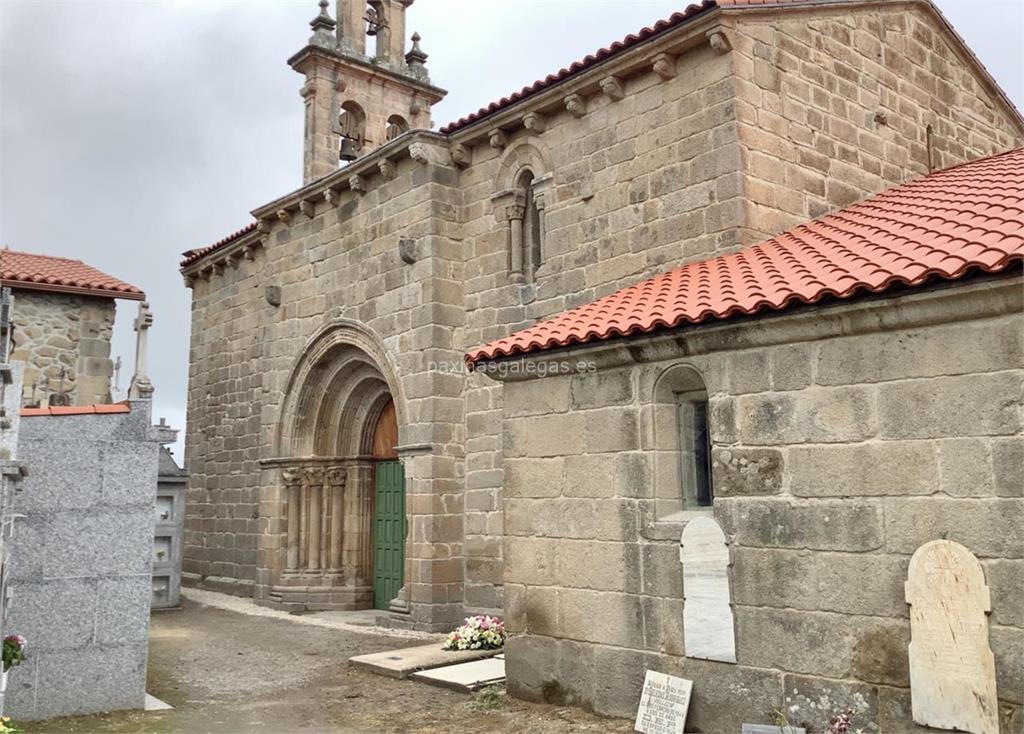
point(515, 221)
point(357, 540)
point(335, 480)
point(291, 481)
point(312, 485)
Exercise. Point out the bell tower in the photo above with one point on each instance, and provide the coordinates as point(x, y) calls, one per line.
point(362, 88)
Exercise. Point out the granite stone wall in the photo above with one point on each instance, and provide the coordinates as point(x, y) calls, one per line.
point(838, 449)
point(657, 158)
point(835, 105)
point(55, 331)
point(81, 563)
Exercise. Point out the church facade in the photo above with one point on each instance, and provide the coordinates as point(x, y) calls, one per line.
point(340, 454)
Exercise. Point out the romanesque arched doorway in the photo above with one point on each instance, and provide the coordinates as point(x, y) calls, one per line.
point(340, 503)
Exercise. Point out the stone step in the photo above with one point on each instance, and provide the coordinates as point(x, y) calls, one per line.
point(408, 660)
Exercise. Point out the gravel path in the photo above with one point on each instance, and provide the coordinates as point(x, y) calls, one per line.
point(229, 666)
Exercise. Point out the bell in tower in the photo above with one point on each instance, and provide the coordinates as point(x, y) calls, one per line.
point(357, 101)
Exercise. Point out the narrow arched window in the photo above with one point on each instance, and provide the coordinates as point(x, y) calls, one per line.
point(682, 442)
point(531, 249)
point(396, 126)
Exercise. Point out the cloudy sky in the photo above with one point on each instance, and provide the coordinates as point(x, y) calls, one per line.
point(131, 131)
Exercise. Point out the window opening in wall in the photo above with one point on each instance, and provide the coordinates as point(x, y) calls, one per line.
point(531, 250)
point(396, 126)
point(352, 128)
point(694, 450)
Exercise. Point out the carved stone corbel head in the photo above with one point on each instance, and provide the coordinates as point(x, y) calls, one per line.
point(718, 40)
point(284, 215)
point(357, 183)
point(612, 87)
point(576, 105)
point(664, 66)
point(461, 155)
point(307, 207)
point(387, 169)
point(497, 139)
point(534, 122)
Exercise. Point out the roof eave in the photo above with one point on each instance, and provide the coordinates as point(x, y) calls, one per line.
point(25, 285)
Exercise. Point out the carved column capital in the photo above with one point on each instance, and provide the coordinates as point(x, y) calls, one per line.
point(335, 476)
point(312, 476)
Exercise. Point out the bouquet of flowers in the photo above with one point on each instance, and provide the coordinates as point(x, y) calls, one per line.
point(14, 651)
point(477, 633)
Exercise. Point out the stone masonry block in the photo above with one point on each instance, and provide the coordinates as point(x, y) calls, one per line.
point(1008, 466)
point(790, 367)
point(620, 474)
point(602, 389)
point(815, 700)
point(81, 544)
point(814, 415)
point(870, 649)
point(55, 613)
point(845, 525)
point(965, 467)
point(1005, 580)
point(600, 616)
point(820, 581)
point(122, 609)
point(612, 429)
point(989, 528)
point(961, 349)
point(1008, 647)
point(537, 397)
point(972, 405)
point(859, 470)
point(599, 566)
point(741, 472)
point(531, 561)
point(550, 435)
point(534, 477)
point(67, 680)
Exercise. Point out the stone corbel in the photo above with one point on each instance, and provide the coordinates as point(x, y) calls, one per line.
point(308, 208)
point(332, 197)
point(407, 250)
point(263, 227)
point(284, 216)
point(718, 40)
point(308, 90)
point(497, 139)
point(247, 252)
point(534, 122)
point(425, 154)
point(190, 280)
point(664, 66)
point(387, 169)
point(576, 105)
point(357, 183)
point(416, 106)
point(206, 273)
point(218, 267)
point(462, 156)
point(612, 87)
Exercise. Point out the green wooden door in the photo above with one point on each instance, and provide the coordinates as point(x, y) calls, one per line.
point(388, 533)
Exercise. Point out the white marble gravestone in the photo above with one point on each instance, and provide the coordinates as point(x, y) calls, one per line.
point(952, 670)
point(664, 704)
point(708, 631)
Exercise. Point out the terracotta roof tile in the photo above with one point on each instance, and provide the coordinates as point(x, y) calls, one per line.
point(60, 274)
point(76, 410)
point(941, 226)
point(190, 256)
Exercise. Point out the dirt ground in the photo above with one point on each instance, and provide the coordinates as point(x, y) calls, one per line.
point(224, 671)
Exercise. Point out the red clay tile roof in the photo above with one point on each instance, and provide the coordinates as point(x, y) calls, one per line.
point(190, 256)
point(76, 410)
point(968, 218)
point(585, 63)
point(59, 274)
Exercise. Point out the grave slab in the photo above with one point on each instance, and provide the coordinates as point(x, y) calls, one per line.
point(465, 677)
point(404, 662)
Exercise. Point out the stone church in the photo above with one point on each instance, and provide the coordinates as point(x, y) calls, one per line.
point(343, 456)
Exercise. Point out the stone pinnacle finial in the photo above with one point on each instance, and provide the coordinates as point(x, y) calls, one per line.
point(416, 58)
point(323, 26)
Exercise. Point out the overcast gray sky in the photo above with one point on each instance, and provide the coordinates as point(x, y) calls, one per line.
point(131, 131)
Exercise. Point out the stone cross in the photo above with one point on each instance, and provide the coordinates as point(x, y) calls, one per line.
point(5, 324)
point(952, 669)
point(141, 388)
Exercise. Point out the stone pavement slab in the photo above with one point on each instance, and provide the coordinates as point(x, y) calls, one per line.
point(466, 677)
point(404, 662)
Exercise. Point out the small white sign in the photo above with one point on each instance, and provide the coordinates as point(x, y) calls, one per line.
point(663, 704)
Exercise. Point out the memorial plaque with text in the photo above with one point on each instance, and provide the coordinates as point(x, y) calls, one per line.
point(663, 704)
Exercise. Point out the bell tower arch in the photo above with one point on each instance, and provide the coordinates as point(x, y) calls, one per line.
point(353, 96)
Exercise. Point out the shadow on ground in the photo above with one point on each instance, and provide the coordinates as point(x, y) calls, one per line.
point(226, 672)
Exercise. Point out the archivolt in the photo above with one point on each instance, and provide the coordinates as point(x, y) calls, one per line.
point(335, 394)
